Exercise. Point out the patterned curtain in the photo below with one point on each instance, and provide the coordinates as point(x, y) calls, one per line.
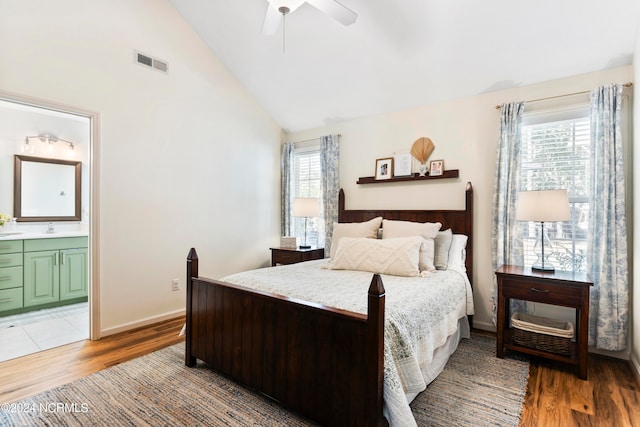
point(286, 170)
point(329, 167)
point(607, 246)
point(506, 247)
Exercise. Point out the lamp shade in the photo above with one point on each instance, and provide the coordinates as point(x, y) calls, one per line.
point(306, 207)
point(543, 205)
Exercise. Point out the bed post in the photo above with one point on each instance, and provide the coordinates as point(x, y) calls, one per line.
point(375, 351)
point(469, 228)
point(340, 205)
point(469, 232)
point(192, 271)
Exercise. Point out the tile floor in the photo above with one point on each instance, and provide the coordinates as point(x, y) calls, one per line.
point(27, 333)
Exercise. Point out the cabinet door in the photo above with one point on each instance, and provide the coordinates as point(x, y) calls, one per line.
point(73, 273)
point(41, 277)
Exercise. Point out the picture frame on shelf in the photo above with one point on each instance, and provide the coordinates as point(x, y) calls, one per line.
point(436, 168)
point(402, 165)
point(384, 168)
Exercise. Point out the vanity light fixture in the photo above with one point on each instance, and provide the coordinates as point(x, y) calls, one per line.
point(29, 148)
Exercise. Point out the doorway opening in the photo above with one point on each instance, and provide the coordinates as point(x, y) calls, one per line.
point(47, 295)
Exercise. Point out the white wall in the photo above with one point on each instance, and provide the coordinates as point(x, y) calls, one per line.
point(635, 291)
point(185, 159)
point(465, 134)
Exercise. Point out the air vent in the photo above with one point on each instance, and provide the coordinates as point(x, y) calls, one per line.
point(150, 62)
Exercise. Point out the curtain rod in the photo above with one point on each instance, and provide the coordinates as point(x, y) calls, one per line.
point(307, 140)
point(629, 84)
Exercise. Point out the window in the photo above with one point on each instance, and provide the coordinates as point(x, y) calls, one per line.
point(556, 155)
point(306, 183)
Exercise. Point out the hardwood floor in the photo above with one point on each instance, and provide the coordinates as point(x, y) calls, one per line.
point(38, 372)
point(555, 396)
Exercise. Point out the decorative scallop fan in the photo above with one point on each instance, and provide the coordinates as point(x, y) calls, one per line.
point(279, 8)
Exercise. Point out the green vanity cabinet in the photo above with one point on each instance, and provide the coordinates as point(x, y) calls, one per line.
point(10, 275)
point(40, 273)
point(41, 277)
point(73, 273)
point(55, 270)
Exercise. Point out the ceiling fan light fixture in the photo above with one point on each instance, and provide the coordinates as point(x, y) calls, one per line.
point(278, 9)
point(288, 5)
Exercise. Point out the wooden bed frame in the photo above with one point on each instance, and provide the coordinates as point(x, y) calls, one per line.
point(321, 362)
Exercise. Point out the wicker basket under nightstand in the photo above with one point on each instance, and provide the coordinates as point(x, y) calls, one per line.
point(542, 333)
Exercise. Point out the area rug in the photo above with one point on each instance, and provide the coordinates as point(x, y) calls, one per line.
point(158, 390)
point(475, 388)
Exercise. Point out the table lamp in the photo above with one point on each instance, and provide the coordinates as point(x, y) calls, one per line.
point(305, 207)
point(543, 206)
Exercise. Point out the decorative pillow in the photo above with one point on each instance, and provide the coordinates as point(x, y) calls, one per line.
point(368, 229)
point(442, 246)
point(398, 257)
point(428, 231)
point(458, 252)
point(427, 251)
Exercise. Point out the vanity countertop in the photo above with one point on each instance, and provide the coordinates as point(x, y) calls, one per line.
point(12, 235)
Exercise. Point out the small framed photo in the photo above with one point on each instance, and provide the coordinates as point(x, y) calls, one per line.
point(402, 165)
point(436, 167)
point(384, 168)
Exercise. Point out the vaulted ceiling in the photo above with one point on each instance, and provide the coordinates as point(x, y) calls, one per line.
point(407, 53)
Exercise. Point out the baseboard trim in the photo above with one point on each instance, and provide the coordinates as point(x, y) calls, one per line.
point(485, 326)
point(143, 322)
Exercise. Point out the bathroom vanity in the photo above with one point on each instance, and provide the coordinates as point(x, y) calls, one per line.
point(40, 270)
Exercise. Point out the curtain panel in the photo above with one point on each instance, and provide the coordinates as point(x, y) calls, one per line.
point(506, 244)
point(607, 245)
point(286, 172)
point(329, 167)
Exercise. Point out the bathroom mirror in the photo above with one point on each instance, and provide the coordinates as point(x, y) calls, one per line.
point(46, 189)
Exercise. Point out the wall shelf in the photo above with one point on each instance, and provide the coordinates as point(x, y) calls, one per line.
point(452, 173)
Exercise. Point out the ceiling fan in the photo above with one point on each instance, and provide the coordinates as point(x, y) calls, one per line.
point(279, 8)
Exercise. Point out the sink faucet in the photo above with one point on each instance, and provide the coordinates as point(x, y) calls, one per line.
point(50, 228)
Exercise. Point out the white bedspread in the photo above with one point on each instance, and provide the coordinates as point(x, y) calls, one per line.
point(421, 313)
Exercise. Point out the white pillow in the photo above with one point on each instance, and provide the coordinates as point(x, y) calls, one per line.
point(429, 230)
point(427, 255)
point(458, 252)
point(398, 257)
point(368, 229)
point(442, 246)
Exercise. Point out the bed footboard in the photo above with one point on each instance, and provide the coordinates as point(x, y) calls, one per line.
point(322, 362)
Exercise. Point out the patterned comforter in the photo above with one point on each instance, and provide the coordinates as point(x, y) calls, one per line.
point(421, 313)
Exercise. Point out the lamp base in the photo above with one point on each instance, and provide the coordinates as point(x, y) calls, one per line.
point(548, 268)
point(304, 247)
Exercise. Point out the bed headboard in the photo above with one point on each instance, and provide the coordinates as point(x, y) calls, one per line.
point(460, 221)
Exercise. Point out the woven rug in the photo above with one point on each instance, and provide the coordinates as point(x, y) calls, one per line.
point(158, 390)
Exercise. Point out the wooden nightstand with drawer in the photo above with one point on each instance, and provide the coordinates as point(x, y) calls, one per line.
point(294, 255)
point(559, 288)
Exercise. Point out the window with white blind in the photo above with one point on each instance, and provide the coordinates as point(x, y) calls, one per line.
point(306, 183)
point(556, 155)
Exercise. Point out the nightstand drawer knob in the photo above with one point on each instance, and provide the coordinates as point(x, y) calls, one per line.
point(544, 291)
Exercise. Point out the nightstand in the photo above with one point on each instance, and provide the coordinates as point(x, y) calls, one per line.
point(560, 288)
point(294, 255)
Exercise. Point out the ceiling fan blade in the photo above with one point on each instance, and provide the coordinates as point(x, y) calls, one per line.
point(271, 21)
point(334, 9)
